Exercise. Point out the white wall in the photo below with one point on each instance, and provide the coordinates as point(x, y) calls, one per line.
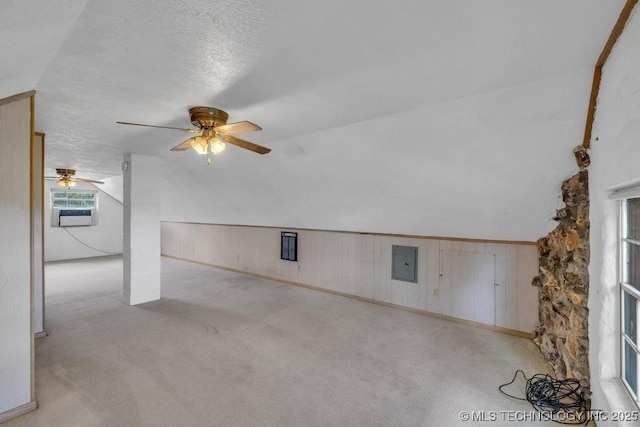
point(141, 229)
point(615, 161)
point(113, 186)
point(16, 336)
point(106, 236)
point(488, 166)
point(360, 265)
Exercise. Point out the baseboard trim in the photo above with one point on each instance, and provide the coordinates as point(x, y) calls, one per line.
point(39, 335)
point(18, 411)
point(508, 331)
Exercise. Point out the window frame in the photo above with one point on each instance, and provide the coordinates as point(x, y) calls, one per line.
point(67, 191)
point(627, 289)
point(289, 240)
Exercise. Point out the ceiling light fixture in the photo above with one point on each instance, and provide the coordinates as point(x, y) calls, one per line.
point(66, 181)
point(206, 142)
point(200, 144)
point(214, 133)
point(217, 147)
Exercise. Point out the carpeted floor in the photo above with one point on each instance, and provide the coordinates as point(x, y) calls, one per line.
point(225, 349)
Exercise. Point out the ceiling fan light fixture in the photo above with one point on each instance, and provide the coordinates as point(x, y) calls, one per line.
point(200, 144)
point(65, 181)
point(217, 147)
point(211, 123)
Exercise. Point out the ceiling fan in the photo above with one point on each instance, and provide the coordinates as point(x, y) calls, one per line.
point(213, 132)
point(66, 178)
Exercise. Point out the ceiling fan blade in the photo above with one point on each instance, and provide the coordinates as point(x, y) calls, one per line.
point(245, 144)
point(237, 127)
point(161, 127)
point(87, 180)
point(185, 145)
point(52, 177)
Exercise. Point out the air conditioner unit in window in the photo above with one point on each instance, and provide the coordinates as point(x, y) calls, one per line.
point(73, 217)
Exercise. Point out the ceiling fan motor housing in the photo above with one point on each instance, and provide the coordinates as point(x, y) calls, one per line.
point(65, 172)
point(208, 117)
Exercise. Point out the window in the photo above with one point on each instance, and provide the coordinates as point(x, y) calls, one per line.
point(72, 208)
point(74, 199)
point(630, 294)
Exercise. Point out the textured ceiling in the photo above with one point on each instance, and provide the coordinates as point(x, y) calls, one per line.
point(294, 67)
point(440, 117)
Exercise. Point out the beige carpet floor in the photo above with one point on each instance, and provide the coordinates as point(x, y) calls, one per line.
point(226, 349)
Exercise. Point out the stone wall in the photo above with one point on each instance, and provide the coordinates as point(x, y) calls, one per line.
point(562, 333)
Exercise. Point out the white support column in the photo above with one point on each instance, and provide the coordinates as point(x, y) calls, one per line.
point(141, 242)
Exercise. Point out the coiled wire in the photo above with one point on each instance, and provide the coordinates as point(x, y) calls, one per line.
point(562, 400)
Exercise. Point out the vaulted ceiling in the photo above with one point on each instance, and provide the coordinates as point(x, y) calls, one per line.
point(305, 70)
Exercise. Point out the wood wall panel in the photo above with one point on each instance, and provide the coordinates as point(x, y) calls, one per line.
point(360, 265)
point(16, 330)
point(467, 284)
point(511, 269)
point(431, 301)
point(37, 232)
point(500, 281)
point(485, 293)
point(527, 296)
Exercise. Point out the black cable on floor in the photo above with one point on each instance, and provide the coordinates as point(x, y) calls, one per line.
point(562, 400)
point(89, 246)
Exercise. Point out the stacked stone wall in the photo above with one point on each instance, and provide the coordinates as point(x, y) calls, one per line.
point(563, 333)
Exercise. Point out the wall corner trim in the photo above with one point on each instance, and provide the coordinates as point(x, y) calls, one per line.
point(617, 30)
point(18, 411)
point(17, 97)
point(368, 233)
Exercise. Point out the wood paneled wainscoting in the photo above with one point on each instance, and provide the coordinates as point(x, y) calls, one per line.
point(17, 355)
point(487, 283)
